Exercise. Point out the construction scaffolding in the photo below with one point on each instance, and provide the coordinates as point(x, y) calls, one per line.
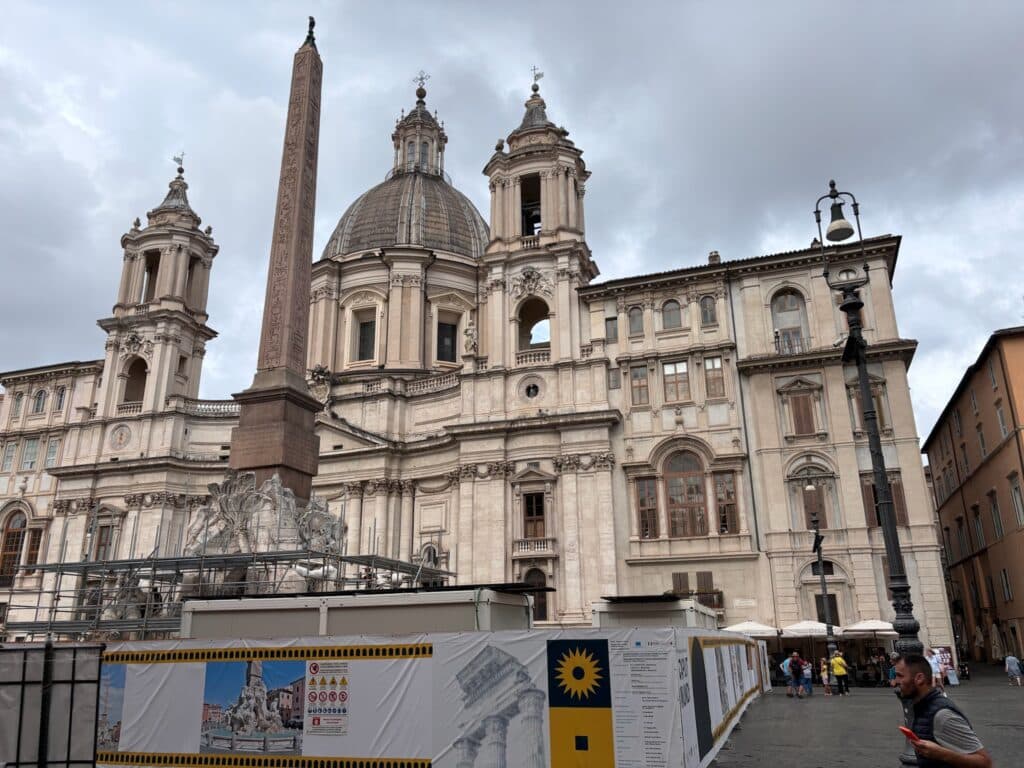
point(141, 598)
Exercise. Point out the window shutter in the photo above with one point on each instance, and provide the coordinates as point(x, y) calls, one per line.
point(813, 503)
point(803, 414)
point(681, 583)
point(867, 490)
point(899, 503)
point(705, 581)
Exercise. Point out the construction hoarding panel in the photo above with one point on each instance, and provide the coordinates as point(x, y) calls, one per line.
point(664, 698)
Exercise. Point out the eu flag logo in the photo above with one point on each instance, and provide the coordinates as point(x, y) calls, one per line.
point(580, 701)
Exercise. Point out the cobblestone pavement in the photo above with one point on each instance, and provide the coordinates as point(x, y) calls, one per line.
point(860, 729)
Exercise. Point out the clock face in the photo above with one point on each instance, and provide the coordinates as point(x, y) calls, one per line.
point(120, 436)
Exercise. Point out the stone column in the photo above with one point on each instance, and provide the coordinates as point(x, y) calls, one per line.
point(182, 259)
point(493, 188)
point(275, 424)
point(570, 596)
point(378, 532)
point(406, 522)
point(531, 704)
point(354, 518)
point(465, 751)
point(126, 278)
point(394, 331)
point(563, 197)
point(574, 201)
point(517, 207)
point(492, 751)
point(138, 276)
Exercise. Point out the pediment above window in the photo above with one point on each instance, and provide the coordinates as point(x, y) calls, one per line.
point(531, 475)
point(799, 385)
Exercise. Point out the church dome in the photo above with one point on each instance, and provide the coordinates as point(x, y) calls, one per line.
point(411, 207)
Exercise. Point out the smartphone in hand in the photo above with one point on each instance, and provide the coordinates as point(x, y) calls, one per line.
point(909, 733)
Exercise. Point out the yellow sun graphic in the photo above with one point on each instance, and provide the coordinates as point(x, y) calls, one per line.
point(578, 673)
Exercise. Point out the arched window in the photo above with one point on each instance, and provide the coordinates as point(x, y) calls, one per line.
point(18, 400)
point(39, 401)
point(58, 400)
point(684, 489)
point(536, 578)
point(812, 487)
point(708, 313)
point(534, 327)
point(671, 317)
point(789, 319)
point(135, 386)
point(410, 154)
point(10, 547)
point(636, 321)
point(424, 152)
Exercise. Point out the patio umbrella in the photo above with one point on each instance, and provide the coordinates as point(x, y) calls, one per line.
point(873, 628)
point(753, 629)
point(809, 629)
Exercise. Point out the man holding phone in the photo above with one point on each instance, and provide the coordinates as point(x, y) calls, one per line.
point(942, 735)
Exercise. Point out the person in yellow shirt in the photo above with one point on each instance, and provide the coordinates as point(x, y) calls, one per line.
point(841, 672)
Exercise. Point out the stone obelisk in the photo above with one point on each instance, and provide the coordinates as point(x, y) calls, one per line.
point(275, 426)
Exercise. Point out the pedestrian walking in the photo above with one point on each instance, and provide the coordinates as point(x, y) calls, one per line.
point(893, 658)
point(826, 676)
point(936, 664)
point(787, 672)
point(796, 671)
point(942, 734)
point(1013, 670)
point(807, 672)
point(841, 672)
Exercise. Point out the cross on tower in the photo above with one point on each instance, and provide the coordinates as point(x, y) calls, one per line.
point(537, 75)
point(179, 160)
point(421, 78)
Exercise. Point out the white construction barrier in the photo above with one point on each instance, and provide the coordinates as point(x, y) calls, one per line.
point(637, 698)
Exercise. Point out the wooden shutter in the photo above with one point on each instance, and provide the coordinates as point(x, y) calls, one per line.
point(867, 489)
point(814, 502)
point(803, 414)
point(681, 583)
point(899, 502)
point(705, 581)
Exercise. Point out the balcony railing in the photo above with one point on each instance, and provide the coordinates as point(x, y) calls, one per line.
point(533, 357)
point(529, 241)
point(542, 546)
point(128, 409)
point(209, 408)
point(713, 599)
point(433, 384)
point(792, 345)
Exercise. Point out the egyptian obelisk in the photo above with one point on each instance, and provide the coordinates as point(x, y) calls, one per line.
point(275, 426)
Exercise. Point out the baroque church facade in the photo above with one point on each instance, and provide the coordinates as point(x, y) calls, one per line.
point(492, 408)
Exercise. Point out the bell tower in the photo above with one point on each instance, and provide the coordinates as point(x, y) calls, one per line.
point(157, 335)
point(538, 254)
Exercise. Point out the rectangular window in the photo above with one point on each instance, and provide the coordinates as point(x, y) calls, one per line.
point(636, 321)
point(714, 377)
point(961, 538)
point(963, 455)
point(833, 608)
point(974, 402)
point(979, 529)
point(1004, 578)
point(101, 543)
point(677, 382)
point(707, 595)
point(814, 506)
point(611, 329)
point(870, 498)
point(1018, 500)
point(446, 333)
point(647, 506)
point(992, 373)
point(1001, 415)
point(35, 538)
point(981, 441)
point(827, 567)
point(533, 515)
point(877, 400)
point(997, 517)
point(30, 453)
point(681, 583)
point(367, 334)
point(638, 384)
point(182, 365)
point(614, 378)
point(51, 453)
point(802, 407)
point(956, 423)
point(725, 496)
point(7, 464)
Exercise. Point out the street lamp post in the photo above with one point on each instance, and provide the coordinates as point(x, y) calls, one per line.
point(818, 539)
point(849, 285)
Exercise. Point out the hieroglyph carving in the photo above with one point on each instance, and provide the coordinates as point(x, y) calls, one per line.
point(286, 314)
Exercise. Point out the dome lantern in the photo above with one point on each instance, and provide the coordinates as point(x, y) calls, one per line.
point(418, 139)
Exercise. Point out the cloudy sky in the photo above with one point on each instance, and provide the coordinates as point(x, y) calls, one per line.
point(706, 125)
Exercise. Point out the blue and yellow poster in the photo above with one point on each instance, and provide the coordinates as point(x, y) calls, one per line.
point(580, 704)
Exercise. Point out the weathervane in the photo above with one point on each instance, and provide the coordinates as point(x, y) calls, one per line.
point(537, 75)
point(179, 159)
point(421, 78)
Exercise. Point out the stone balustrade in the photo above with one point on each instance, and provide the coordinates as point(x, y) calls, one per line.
point(208, 408)
point(129, 409)
point(533, 357)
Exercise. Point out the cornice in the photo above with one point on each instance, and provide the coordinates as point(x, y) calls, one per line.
point(901, 349)
point(120, 467)
point(536, 423)
point(49, 372)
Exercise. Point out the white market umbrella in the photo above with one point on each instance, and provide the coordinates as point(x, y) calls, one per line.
point(870, 628)
point(809, 629)
point(753, 629)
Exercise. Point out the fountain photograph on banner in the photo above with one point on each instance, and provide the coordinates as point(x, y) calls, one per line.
point(108, 728)
point(253, 706)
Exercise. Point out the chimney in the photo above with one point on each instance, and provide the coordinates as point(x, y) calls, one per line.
point(714, 258)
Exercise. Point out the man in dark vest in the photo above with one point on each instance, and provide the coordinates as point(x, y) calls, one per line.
point(945, 737)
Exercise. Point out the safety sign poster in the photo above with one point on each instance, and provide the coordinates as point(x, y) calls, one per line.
point(327, 698)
